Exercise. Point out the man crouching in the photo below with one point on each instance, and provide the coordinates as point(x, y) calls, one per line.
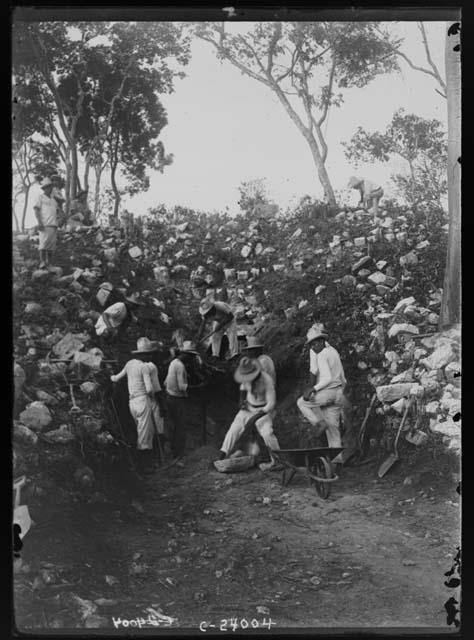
point(258, 407)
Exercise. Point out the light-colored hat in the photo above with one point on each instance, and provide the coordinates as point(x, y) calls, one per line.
point(107, 286)
point(252, 343)
point(144, 345)
point(315, 332)
point(205, 306)
point(248, 370)
point(353, 181)
point(189, 347)
point(46, 183)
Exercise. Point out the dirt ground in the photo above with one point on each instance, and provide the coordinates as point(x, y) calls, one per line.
point(232, 550)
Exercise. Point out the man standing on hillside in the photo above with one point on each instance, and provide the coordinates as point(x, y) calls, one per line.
point(370, 193)
point(223, 323)
point(46, 212)
point(322, 402)
point(143, 384)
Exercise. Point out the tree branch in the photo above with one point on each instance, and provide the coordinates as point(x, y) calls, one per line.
point(428, 56)
point(328, 101)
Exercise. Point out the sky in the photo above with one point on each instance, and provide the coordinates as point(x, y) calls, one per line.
point(225, 128)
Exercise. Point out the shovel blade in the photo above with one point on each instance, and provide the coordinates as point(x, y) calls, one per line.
point(387, 464)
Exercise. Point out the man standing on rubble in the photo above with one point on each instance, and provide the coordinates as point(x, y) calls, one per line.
point(223, 323)
point(322, 402)
point(46, 212)
point(143, 384)
point(177, 400)
point(370, 193)
point(257, 409)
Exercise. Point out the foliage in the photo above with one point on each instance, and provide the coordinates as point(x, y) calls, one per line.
point(252, 192)
point(421, 143)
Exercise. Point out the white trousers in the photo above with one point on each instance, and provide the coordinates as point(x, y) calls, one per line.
point(143, 410)
point(264, 426)
point(325, 405)
point(231, 332)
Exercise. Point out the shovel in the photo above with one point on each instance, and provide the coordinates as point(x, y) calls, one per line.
point(393, 457)
point(364, 423)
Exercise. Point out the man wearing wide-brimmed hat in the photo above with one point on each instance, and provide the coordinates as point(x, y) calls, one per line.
point(223, 323)
point(143, 384)
point(257, 409)
point(177, 400)
point(254, 349)
point(46, 212)
point(370, 193)
point(322, 402)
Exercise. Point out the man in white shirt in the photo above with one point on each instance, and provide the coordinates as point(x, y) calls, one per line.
point(370, 193)
point(143, 384)
point(223, 323)
point(45, 209)
point(322, 402)
point(177, 401)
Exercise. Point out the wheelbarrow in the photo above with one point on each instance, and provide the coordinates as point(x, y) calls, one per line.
point(316, 463)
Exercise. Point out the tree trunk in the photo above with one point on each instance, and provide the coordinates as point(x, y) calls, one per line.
point(25, 208)
point(451, 302)
point(86, 173)
point(98, 176)
point(322, 172)
point(74, 176)
point(115, 190)
point(15, 218)
point(67, 190)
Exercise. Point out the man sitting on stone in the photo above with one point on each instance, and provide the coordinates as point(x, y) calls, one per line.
point(257, 409)
point(322, 402)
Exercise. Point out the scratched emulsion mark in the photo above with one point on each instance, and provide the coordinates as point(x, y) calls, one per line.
point(454, 574)
point(230, 11)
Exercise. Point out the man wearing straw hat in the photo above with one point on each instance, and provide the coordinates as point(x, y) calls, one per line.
point(322, 402)
point(143, 383)
point(177, 400)
point(257, 409)
point(46, 212)
point(254, 349)
point(223, 323)
point(370, 193)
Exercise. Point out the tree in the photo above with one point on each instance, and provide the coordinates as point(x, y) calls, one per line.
point(85, 72)
point(305, 64)
point(431, 70)
point(252, 192)
point(451, 301)
point(421, 143)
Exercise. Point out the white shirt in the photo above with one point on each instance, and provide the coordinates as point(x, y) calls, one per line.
point(141, 378)
point(327, 367)
point(268, 366)
point(48, 210)
point(176, 382)
point(368, 186)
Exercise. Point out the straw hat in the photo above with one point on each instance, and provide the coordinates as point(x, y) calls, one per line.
point(188, 347)
point(133, 298)
point(252, 343)
point(205, 306)
point(353, 181)
point(107, 286)
point(315, 332)
point(144, 345)
point(46, 183)
point(247, 370)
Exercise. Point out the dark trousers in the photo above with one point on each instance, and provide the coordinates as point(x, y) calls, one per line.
point(177, 412)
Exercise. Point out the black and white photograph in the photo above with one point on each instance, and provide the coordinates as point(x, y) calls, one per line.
point(236, 323)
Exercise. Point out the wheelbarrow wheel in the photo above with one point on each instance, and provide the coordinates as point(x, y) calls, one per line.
point(323, 469)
